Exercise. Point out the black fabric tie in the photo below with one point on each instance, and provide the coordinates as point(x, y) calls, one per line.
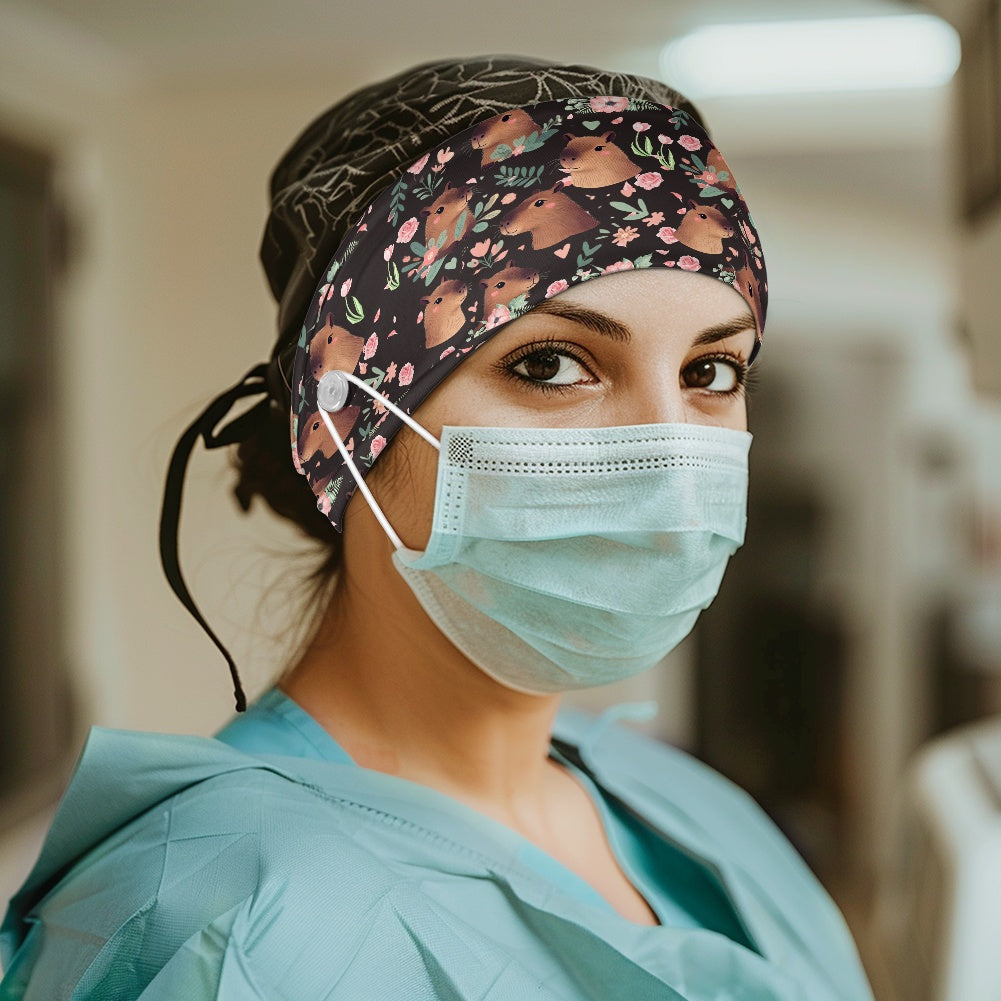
point(254, 383)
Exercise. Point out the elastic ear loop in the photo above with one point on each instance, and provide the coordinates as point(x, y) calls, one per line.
point(331, 396)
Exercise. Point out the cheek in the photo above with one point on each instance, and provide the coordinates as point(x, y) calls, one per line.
point(403, 483)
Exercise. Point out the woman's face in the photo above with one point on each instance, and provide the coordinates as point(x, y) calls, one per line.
point(641, 347)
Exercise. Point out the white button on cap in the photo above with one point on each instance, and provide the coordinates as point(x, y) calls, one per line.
point(332, 391)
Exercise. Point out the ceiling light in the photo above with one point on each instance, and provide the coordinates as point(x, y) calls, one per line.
point(843, 54)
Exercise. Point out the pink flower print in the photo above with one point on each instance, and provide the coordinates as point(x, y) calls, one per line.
point(345, 287)
point(508, 198)
point(388, 252)
point(429, 258)
point(664, 140)
point(640, 126)
point(323, 504)
point(624, 234)
point(479, 249)
point(618, 266)
point(378, 313)
point(690, 143)
point(617, 121)
point(557, 286)
point(650, 180)
point(747, 233)
point(370, 345)
point(363, 228)
point(406, 374)
point(391, 371)
point(407, 230)
point(610, 104)
point(416, 168)
point(500, 314)
point(707, 177)
point(518, 150)
point(446, 352)
point(689, 263)
point(666, 233)
point(654, 219)
point(444, 155)
point(378, 444)
point(628, 189)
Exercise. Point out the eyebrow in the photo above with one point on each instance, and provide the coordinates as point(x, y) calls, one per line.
point(603, 324)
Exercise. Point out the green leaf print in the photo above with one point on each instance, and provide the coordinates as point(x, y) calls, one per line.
point(426, 189)
point(353, 310)
point(633, 212)
point(522, 177)
point(432, 272)
point(397, 199)
point(392, 276)
point(586, 255)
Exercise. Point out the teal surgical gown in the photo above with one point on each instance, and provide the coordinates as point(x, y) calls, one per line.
point(265, 865)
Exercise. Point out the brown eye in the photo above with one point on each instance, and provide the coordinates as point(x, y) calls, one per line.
point(598, 149)
point(499, 285)
point(541, 201)
point(543, 365)
point(711, 373)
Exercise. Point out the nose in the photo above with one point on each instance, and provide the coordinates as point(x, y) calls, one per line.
point(659, 400)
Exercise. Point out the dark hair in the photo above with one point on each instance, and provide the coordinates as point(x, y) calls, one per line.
point(330, 175)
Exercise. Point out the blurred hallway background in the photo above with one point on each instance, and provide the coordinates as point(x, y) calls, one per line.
point(862, 617)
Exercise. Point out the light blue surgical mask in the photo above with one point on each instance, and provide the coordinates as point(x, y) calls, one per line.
point(565, 558)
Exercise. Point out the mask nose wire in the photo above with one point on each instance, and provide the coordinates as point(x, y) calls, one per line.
point(331, 396)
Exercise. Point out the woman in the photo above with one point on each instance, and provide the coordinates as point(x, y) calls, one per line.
point(553, 475)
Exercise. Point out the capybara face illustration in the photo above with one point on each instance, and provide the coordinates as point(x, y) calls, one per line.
point(500, 129)
point(333, 347)
point(506, 285)
point(314, 438)
point(444, 213)
point(703, 228)
point(443, 316)
point(595, 161)
point(549, 216)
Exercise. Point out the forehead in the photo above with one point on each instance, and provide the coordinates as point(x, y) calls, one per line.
point(669, 299)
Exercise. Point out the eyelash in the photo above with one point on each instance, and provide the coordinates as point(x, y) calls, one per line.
point(735, 362)
point(567, 350)
point(744, 380)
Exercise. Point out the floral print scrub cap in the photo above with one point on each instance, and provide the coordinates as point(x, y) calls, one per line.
point(418, 215)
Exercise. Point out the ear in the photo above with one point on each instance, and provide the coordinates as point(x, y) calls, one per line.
point(558, 186)
point(425, 299)
point(569, 136)
point(425, 212)
point(608, 137)
point(484, 284)
point(448, 185)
